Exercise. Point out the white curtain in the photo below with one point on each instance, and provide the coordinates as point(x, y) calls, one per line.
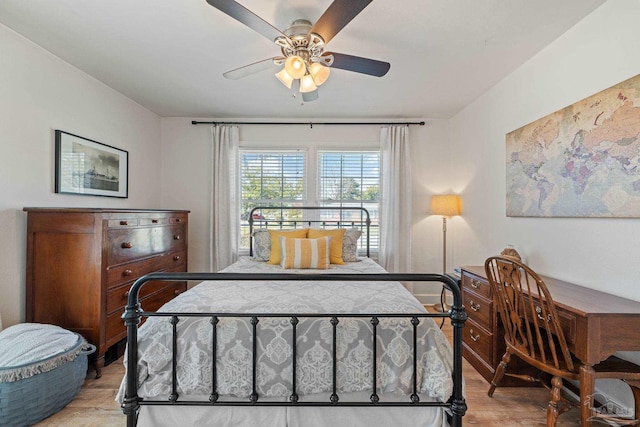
point(225, 210)
point(395, 206)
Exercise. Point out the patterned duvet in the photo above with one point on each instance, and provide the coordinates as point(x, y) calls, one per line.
point(314, 347)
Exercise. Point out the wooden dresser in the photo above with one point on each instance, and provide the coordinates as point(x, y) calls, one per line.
point(82, 262)
point(483, 336)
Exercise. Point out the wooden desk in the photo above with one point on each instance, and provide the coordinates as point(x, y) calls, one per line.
point(595, 324)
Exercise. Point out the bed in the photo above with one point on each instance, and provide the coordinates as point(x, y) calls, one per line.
point(294, 347)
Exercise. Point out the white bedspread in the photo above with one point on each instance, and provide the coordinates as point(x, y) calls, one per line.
point(314, 363)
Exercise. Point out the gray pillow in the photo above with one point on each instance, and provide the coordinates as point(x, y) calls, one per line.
point(261, 245)
point(350, 245)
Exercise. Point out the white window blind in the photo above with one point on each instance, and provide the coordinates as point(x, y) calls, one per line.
point(351, 179)
point(270, 178)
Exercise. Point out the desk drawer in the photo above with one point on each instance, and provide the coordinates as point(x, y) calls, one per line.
point(478, 308)
point(478, 339)
point(131, 244)
point(477, 284)
point(567, 321)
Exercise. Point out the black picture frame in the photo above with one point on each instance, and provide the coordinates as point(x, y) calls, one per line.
point(90, 168)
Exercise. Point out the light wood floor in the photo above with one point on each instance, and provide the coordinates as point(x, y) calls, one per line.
point(95, 406)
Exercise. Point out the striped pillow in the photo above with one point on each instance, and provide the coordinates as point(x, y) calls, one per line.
point(305, 253)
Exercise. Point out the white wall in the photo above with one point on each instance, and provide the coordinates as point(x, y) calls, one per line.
point(598, 52)
point(38, 94)
point(186, 153)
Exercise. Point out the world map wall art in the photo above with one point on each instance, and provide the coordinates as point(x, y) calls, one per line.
point(581, 161)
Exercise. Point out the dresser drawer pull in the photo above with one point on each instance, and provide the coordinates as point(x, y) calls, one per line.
point(127, 273)
point(176, 237)
point(126, 294)
point(178, 219)
point(475, 338)
point(124, 222)
point(474, 307)
point(154, 221)
point(475, 284)
point(176, 257)
point(126, 245)
point(177, 292)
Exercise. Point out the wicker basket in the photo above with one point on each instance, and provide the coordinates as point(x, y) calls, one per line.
point(29, 400)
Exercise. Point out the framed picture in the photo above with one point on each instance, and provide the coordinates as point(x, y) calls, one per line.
point(90, 168)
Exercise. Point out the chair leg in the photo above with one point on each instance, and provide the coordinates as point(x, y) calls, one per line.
point(554, 409)
point(502, 368)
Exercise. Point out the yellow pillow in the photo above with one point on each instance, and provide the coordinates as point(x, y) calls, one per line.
point(336, 242)
point(305, 253)
point(276, 250)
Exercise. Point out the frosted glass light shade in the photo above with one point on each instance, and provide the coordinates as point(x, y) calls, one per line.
point(295, 66)
point(307, 84)
point(446, 205)
point(285, 78)
point(310, 96)
point(319, 72)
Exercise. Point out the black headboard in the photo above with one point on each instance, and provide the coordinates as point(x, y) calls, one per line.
point(363, 223)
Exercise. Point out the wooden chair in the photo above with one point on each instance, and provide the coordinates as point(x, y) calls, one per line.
point(532, 332)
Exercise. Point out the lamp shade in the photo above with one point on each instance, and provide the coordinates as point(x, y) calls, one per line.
point(446, 205)
point(295, 66)
point(307, 84)
point(319, 72)
point(285, 78)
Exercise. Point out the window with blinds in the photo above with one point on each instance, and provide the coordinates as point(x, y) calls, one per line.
point(270, 178)
point(278, 178)
point(351, 179)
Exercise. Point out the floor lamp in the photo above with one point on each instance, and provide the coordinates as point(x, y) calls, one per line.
point(446, 205)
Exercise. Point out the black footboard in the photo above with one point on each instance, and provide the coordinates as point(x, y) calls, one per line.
point(133, 315)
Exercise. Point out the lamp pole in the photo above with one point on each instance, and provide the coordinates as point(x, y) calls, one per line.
point(446, 205)
point(443, 307)
point(444, 245)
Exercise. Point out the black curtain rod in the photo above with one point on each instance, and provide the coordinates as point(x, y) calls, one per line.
point(310, 124)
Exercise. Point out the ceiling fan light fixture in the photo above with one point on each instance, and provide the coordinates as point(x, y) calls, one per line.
point(319, 72)
point(307, 84)
point(295, 66)
point(284, 78)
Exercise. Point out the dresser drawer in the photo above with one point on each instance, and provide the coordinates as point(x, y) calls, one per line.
point(152, 221)
point(117, 297)
point(131, 271)
point(175, 259)
point(478, 308)
point(115, 329)
point(131, 244)
point(122, 222)
point(478, 339)
point(479, 285)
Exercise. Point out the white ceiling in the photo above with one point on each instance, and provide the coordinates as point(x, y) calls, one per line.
point(169, 55)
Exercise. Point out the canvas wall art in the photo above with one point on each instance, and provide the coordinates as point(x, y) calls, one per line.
point(581, 161)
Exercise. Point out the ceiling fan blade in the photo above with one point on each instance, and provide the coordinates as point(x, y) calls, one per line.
point(337, 16)
point(248, 18)
point(358, 64)
point(256, 67)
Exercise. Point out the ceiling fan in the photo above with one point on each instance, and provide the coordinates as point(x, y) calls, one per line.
point(306, 64)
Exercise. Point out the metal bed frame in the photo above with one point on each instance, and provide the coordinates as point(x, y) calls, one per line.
point(291, 224)
point(134, 314)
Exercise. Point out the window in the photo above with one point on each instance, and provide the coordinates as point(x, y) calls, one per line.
point(331, 178)
point(269, 178)
point(351, 179)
